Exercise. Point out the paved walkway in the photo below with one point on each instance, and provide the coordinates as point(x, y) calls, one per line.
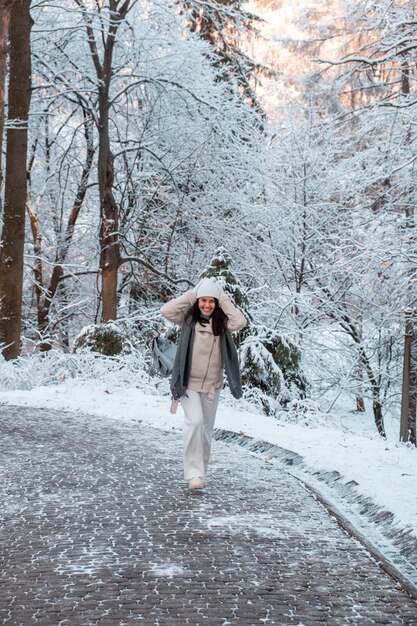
point(99, 529)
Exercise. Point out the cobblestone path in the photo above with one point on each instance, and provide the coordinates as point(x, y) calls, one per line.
point(98, 528)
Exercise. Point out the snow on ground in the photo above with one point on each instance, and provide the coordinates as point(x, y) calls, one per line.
point(385, 471)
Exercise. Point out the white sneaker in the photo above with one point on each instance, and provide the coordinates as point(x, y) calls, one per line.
point(196, 483)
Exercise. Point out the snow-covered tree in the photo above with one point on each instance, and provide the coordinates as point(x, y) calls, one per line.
point(220, 268)
point(225, 25)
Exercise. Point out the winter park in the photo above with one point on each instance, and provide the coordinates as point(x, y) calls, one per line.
point(208, 312)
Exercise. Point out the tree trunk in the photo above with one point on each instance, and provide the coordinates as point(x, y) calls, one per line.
point(109, 213)
point(376, 393)
point(5, 10)
point(360, 404)
point(409, 384)
point(409, 387)
point(13, 235)
point(109, 224)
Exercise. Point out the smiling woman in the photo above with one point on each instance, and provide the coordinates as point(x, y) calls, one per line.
point(205, 350)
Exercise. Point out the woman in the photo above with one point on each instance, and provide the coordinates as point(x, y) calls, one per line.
point(205, 348)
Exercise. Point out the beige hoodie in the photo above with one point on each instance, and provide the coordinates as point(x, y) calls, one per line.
point(206, 374)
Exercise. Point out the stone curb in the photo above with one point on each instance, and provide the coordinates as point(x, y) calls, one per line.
point(400, 562)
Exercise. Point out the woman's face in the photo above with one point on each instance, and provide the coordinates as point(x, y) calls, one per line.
point(206, 305)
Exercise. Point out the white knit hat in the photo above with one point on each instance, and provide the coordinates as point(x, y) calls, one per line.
point(208, 288)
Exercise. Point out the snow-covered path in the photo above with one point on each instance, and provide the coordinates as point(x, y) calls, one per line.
point(99, 529)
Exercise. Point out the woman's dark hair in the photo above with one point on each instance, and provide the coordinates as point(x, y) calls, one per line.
point(219, 317)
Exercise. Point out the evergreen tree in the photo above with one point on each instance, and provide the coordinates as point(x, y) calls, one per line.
point(220, 269)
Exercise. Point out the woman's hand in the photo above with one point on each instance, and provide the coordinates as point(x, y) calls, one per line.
point(221, 292)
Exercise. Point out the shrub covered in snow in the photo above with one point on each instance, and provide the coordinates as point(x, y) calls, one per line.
point(122, 336)
point(48, 368)
point(305, 412)
point(271, 364)
point(107, 339)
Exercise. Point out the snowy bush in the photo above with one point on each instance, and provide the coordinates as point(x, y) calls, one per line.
point(265, 403)
point(271, 364)
point(54, 367)
point(304, 412)
point(107, 339)
point(122, 336)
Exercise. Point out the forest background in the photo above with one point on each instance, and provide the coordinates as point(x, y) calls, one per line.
point(148, 143)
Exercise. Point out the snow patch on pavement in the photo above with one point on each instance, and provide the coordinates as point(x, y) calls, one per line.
point(167, 570)
point(251, 523)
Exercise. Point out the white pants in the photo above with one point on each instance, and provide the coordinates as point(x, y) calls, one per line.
point(200, 415)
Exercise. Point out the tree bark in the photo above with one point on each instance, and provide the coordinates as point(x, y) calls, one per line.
point(109, 224)
point(409, 383)
point(13, 234)
point(409, 386)
point(376, 392)
point(5, 11)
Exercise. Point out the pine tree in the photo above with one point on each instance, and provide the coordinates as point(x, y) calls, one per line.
point(220, 269)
